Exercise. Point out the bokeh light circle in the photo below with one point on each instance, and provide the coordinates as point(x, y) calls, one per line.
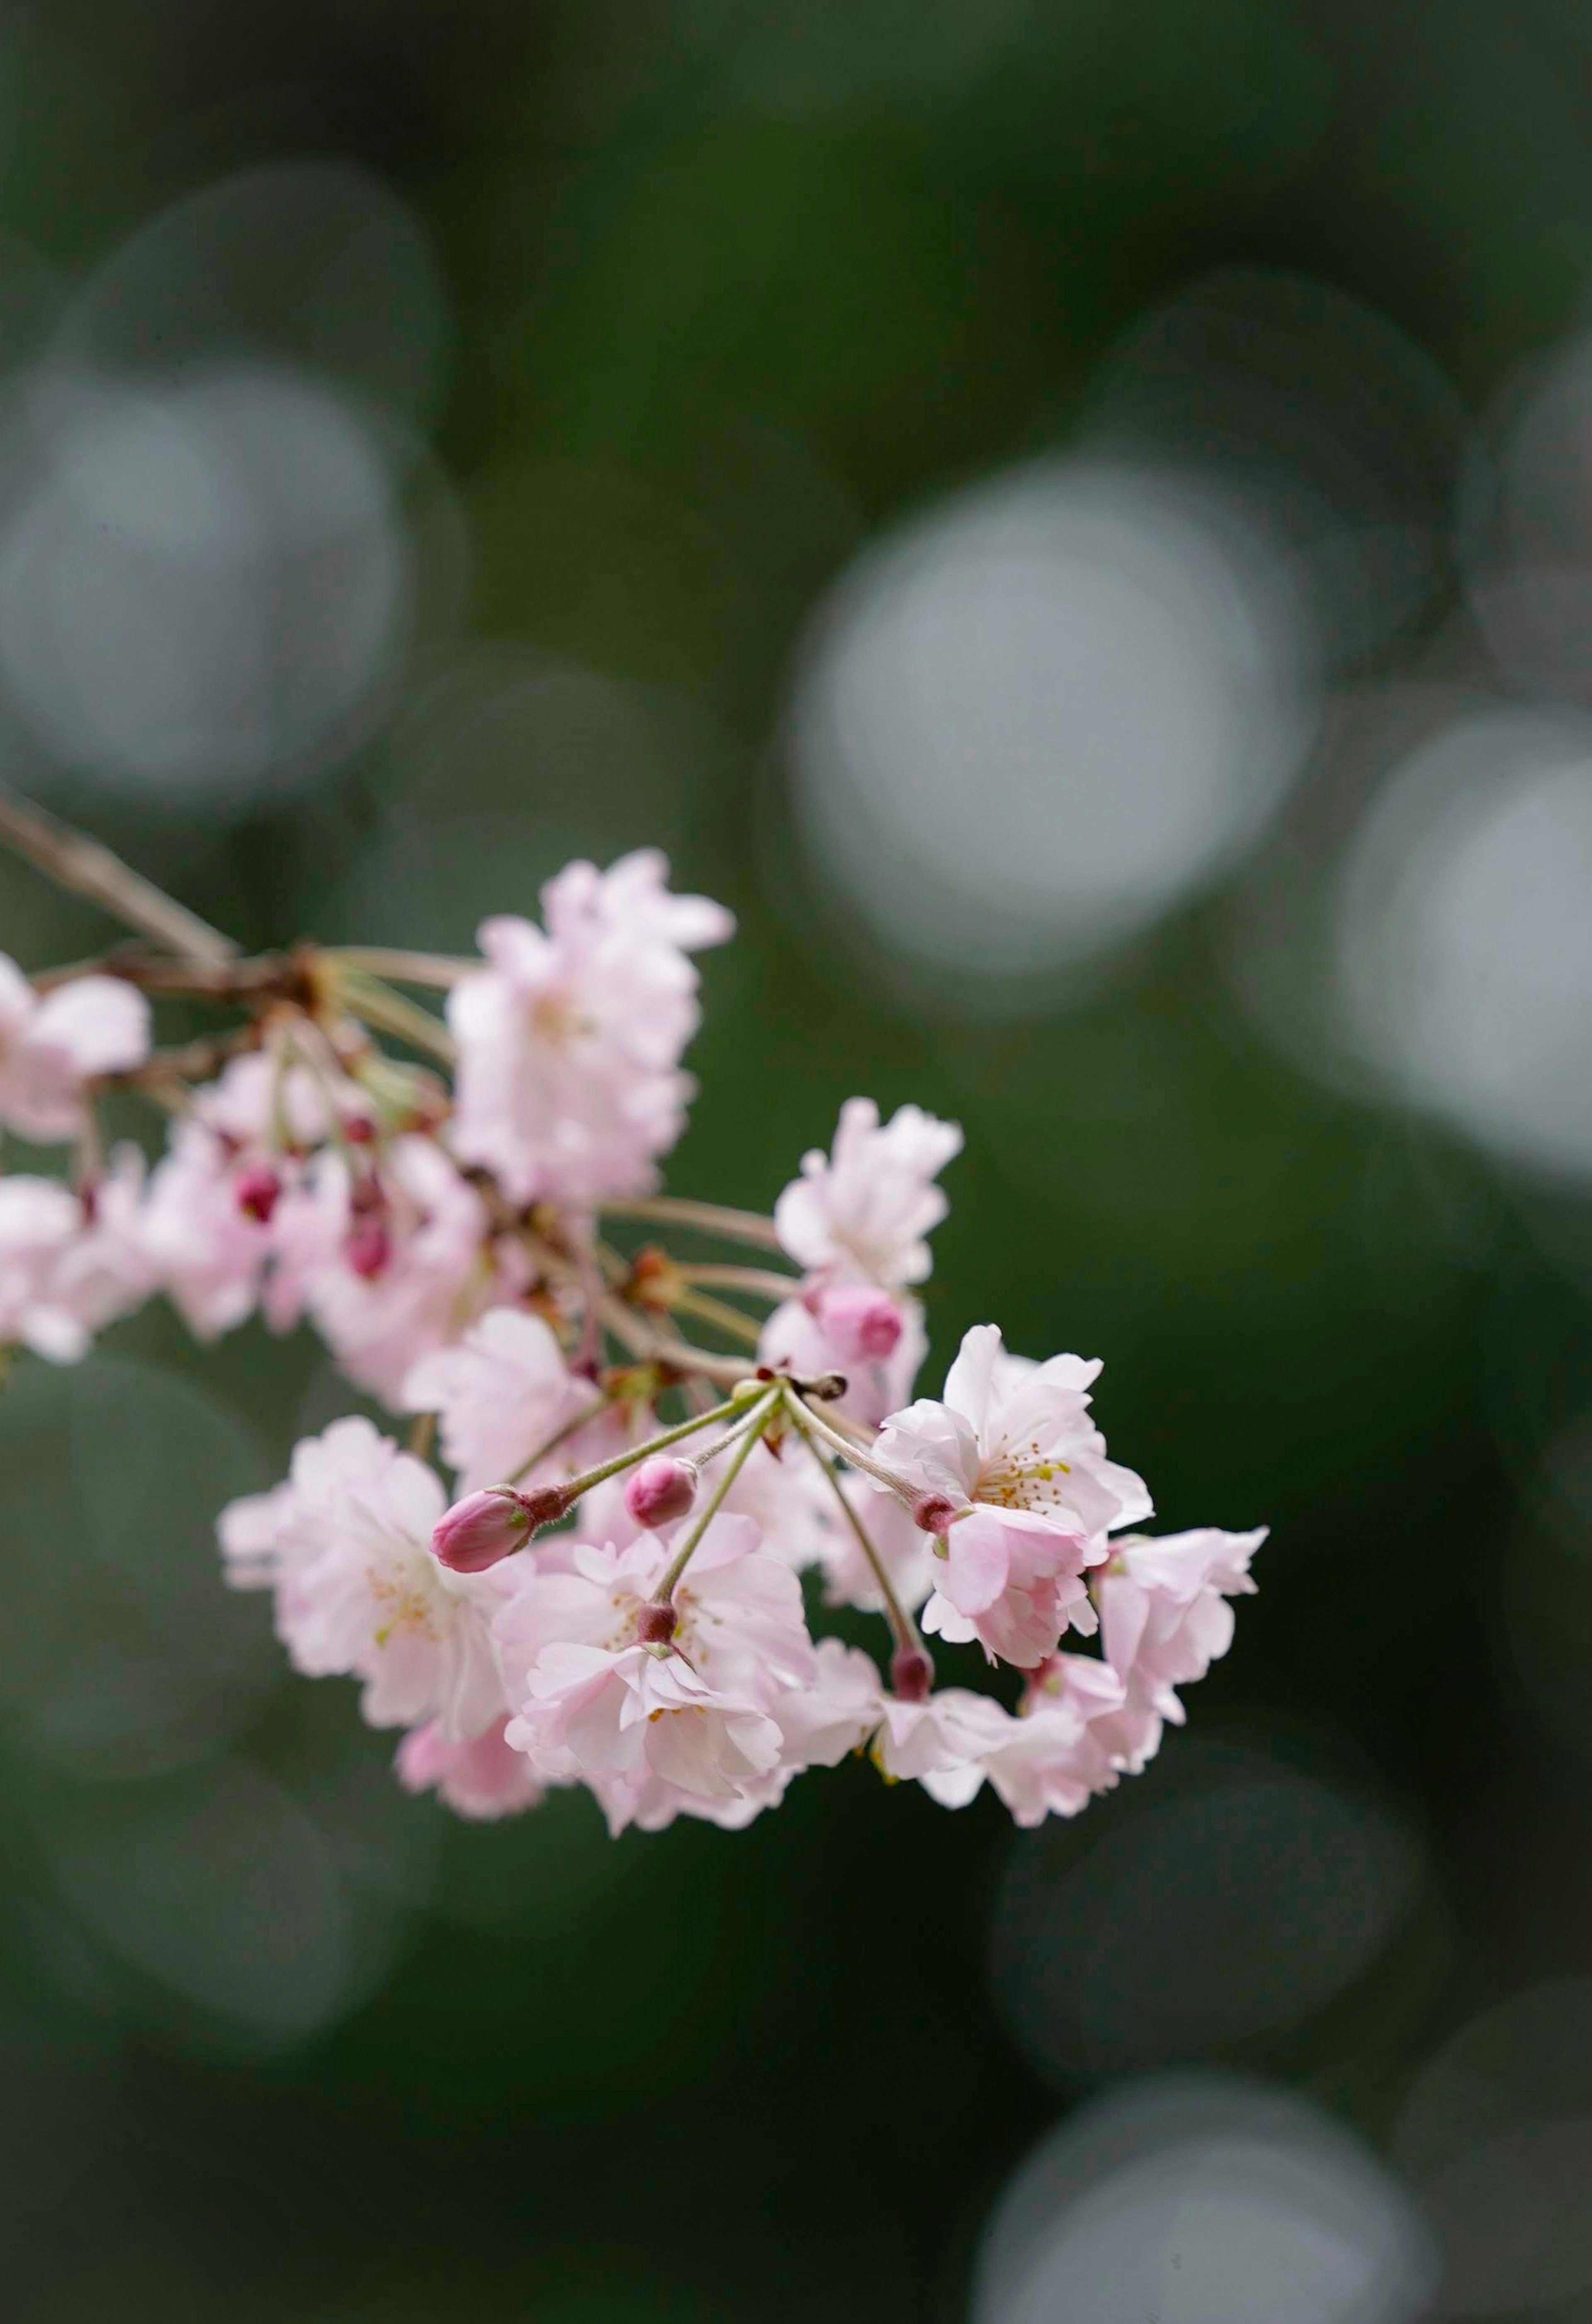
point(1035, 719)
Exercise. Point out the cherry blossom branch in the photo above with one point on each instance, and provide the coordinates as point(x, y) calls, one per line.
point(87, 868)
point(707, 1218)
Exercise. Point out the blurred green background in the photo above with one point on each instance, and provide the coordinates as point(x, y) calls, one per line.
point(1077, 523)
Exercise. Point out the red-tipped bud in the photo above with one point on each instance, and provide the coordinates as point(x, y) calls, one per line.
point(912, 1674)
point(368, 1249)
point(660, 1490)
point(359, 1129)
point(482, 1529)
point(936, 1512)
point(656, 1625)
point(862, 1324)
point(258, 1190)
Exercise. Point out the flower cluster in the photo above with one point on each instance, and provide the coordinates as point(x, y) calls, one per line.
point(586, 1565)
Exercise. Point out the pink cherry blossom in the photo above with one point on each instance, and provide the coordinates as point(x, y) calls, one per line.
point(207, 1253)
point(1057, 1754)
point(41, 1222)
point(941, 1742)
point(628, 1711)
point(795, 1339)
point(906, 1554)
point(207, 1244)
point(741, 1623)
point(52, 1043)
point(569, 1084)
point(106, 1271)
point(1165, 1619)
point(836, 1714)
point(440, 1266)
point(499, 1394)
point(1013, 1474)
point(483, 1779)
point(862, 1212)
point(347, 1546)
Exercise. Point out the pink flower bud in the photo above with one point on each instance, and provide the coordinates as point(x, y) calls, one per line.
point(368, 1249)
point(862, 1324)
point(257, 1189)
point(482, 1529)
point(934, 1512)
point(359, 1129)
point(912, 1674)
point(660, 1490)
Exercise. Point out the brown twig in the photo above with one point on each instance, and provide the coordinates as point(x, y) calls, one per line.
point(74, 861)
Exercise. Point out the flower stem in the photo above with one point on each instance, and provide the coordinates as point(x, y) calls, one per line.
point(377, 1004)
point(571, 1427)
point(717, 1312)
point(836, 1443)
point(438, 968)
point(707, 1218)
point(632, 1332)
point(761, 1416)
point(575, 1486)
point(757, 1282)
point(903, 1628)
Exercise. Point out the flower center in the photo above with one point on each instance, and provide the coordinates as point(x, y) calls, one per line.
point(1022, 1477)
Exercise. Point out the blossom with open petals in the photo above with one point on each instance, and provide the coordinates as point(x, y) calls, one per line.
point(52, 1043)
point(1011, 1472)
point(569, 1084)
point(862, 1212)
point(346, 1547)
point(1166, 1616)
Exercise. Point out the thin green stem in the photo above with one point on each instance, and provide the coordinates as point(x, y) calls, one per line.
point(575, 1486)
point(571, 1427)
point(723, 1444)
point(707, 1218)
point(757, 1282)
point(903, 1628)
point(440, 969)
point(378, 1005)
point(717, 1312)
point(682, 1557)
point(629, 1329)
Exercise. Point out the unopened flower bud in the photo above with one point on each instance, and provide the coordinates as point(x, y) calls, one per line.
point(482, 1529)
point(862, 1324)
point(934, 1512)
point(660, 1490)
point(368, 1249)
point(912, 1674)
point(656, 1625)
point(359, 1129)
point(258, 1190)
